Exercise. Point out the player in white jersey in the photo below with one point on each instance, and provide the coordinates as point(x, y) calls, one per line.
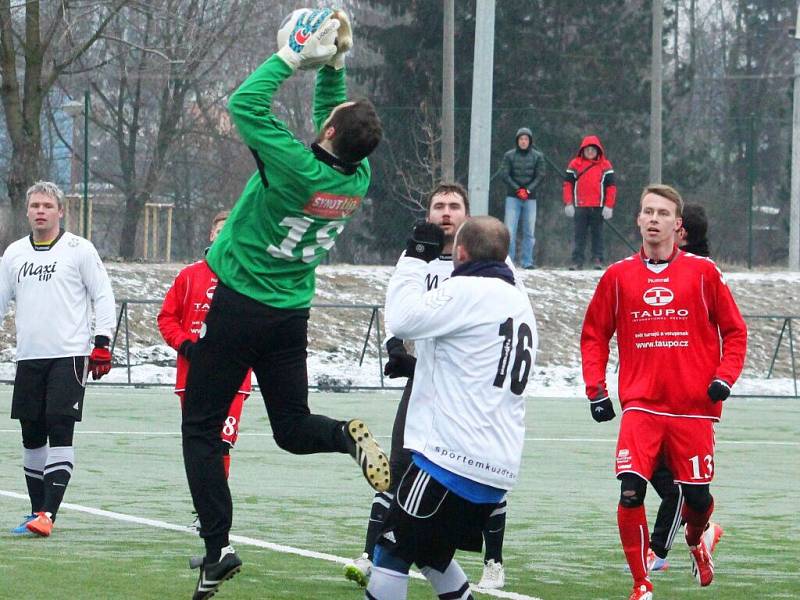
point(55, 278)
point(448, 207)
point(475, 337)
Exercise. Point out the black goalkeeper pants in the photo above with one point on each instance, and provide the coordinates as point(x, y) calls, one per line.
point(241, 333)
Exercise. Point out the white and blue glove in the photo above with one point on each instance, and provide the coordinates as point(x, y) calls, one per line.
point(607, 213)
point(307, 38)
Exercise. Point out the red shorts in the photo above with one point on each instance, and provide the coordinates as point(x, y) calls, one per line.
point(685, 445)
point(230, 429)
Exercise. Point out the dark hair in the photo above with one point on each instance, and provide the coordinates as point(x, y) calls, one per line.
point(449, 188)
point(358, 131)
point(484, 238)
point(695, 222)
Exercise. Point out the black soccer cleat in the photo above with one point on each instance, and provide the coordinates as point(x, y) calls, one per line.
point(213, 575)
point(368, 454)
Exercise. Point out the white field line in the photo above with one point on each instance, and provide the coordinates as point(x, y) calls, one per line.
point(386, 437)
point(248, 541)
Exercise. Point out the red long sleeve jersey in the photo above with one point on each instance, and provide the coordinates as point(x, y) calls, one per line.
point(183, 312)
point(677, 330)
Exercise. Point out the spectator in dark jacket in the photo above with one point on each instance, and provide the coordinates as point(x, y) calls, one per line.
point(523, 171)
point(693, 234)
point(589, 197)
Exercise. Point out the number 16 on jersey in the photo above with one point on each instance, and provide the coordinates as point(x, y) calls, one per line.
point(523, 360)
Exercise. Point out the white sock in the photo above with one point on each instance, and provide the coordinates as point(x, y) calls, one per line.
point(452, 582)
point(387, 585)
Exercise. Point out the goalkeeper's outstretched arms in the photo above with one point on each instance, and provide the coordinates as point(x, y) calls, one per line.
point(308, 43)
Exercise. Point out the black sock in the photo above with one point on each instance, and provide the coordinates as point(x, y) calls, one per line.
point(57, 474)
point(33, 462)
point(494, 532)
point(377, 517)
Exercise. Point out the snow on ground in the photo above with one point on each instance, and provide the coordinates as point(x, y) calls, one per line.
point(337, 335)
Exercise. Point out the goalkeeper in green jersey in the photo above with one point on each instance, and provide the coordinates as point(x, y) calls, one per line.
point(287, 219)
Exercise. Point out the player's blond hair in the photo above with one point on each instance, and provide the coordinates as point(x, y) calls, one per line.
point(665, 191)
point(46, 188)
point(220, 216)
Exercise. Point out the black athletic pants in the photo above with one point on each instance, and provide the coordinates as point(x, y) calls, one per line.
point(588, 220)
point(668, 519)
point(242, 333)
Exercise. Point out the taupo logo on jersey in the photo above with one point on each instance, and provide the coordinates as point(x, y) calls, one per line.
point(658, 296)
point(43, 272)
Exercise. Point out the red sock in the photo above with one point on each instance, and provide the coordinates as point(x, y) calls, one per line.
point(226, 461)
point(635, 542)
point(696, 522)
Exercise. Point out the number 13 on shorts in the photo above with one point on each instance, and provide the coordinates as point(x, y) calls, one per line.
point(702, 467)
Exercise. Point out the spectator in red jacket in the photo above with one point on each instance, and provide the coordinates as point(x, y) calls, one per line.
point(180, 321)
point(589, 197)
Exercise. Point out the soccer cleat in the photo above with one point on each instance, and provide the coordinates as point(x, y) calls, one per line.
point(368, 454)
point(711, 535)
point(640, 592)
point(702, 564)
point(213, 575)
point(22, 528)
point(359, 570)
point(494, 575)
point(655, 562)
point(42, 525)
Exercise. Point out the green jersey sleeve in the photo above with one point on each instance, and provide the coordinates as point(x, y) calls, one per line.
point(330, 92)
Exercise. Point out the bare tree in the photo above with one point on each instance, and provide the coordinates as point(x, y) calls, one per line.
point(39, 41)
point(159, 55)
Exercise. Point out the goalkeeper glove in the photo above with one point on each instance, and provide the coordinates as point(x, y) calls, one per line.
point(400, 363)
point(522, 193)
point(186, 349)
point(718, 390)
point(607, 213)
point(602, 409)
point(100, 358)
point(343, 41)
point(307, 38)
point(426, 241)
point(569, 210)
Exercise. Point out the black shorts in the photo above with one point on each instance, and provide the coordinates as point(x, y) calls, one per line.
point(49, 387)
point(427, 523)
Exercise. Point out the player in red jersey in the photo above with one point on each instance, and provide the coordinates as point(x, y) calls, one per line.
point(182, 316)
point(682, 344)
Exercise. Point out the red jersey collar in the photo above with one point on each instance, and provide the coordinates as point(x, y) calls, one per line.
point(643, 256)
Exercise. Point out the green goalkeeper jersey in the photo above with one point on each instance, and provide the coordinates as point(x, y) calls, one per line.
point(294, 206)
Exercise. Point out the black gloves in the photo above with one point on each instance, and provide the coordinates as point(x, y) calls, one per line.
point(602, 409)
point(400, 363)
point(426, 242)
point(186, 349)
point(718, 390)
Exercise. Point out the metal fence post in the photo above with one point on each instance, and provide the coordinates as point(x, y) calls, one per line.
point(366, 337)
point(791, 352)
point(777, 348)
point(377, 310)
point(127, 344)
